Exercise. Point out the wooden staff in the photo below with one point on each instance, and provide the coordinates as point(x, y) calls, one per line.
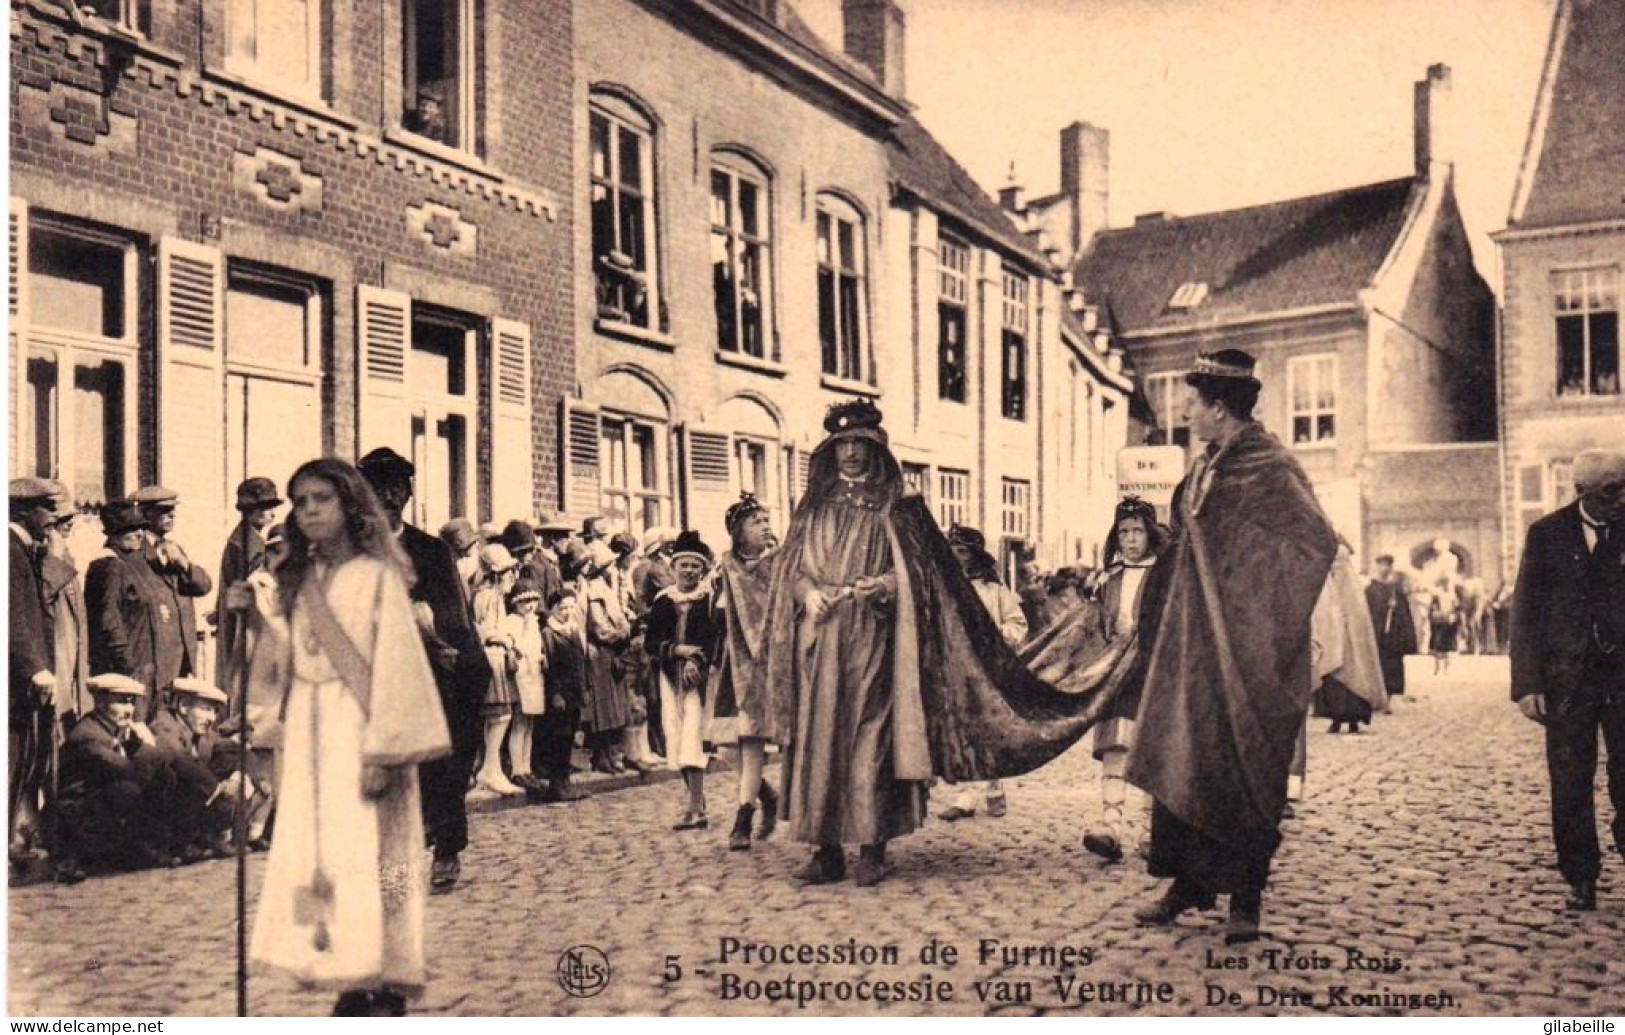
point(239, 679)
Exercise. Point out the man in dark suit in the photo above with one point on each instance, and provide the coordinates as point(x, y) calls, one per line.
point(244, 554)
point(461, 671)
point(30, 656)
point(1568, 659)
point(1390, 609)
point(184, 580)
point(202, 808)
point(135, 628)
point(114, 781)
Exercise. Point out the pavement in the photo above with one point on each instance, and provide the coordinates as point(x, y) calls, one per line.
point(1418, 879)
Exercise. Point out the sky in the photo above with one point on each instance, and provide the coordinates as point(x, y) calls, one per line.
point(1216, 104)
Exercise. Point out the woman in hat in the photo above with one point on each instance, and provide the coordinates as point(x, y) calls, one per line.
point(680, 640)
point(340, 683)
point(497, 575)
point(606, 711)
point(523, 629)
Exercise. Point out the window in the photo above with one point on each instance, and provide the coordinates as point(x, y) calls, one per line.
point(1016, 508)
point(741, 265)
point(1587, 307)
point(439, 371)
point(625, 263)
point(953, 497)
point(1312, 391)
point(78, 409)
point(1013, 378)
point(273, 336)
point(634, 485)
point(276, 42)
point(438, 59)
point(130, 15)
point(1188, 295)
point(1562, 483)
point(841, 292)
point(1166, 394)
point(953, 278)
point(917, 481)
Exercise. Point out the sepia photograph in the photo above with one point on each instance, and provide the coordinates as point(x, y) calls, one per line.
point(816, 508)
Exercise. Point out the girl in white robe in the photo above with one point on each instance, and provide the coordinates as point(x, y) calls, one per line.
point(341, 686)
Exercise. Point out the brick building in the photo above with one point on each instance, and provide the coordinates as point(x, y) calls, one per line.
point(247, 233)
point(1371, 327)
point(1562, 256)
point(760, 237)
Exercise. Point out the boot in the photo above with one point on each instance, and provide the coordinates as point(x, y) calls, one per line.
point(770, 810)
point(739, 837)
point(871, 866)
point(1246, 908)
point(1176, 900)
point(827, 866)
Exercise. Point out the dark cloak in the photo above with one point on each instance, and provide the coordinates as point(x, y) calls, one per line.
point(966, 706)
point(1228, 682)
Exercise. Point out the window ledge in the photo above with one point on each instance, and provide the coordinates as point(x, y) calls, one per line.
point(112, 32)
point(464, 160)
point(307, 103)
point(1325, 443)
point(1586, 399)
point(746, 362)
point(847, 385)
point(637, 335)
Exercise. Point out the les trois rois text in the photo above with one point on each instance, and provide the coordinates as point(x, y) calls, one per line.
point(993, 972)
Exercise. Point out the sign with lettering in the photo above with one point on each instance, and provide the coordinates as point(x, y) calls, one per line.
point(1151, 473)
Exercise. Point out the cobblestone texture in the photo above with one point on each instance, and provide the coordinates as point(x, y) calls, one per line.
point(1425, 839)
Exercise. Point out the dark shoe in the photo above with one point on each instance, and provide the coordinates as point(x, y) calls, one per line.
point(353, 1004)
point(871, 867)
point(770, 811)
point(997, 806)
point(68, 872)
point(739, 837)
point(529, 782)
point(635, 766)
point(1104, 845)
point(1582, 897)
point(953, 814)
point(388, 1003)
point(1174, 901)
point(1243, 927)
point(603, 765)
point(1288, 812)
point(1336, 727)
point(444, 873)
point(691, 821)
point(827, 866)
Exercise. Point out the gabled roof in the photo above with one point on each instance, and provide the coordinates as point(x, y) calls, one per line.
point(1288, 255)
point(923, 167)
point(1574, 161)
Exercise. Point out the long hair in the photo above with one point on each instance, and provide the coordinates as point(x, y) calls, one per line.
point(363, 519)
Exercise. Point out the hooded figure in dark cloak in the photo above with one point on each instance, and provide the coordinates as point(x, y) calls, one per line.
point(886, 666)
point(1228, 683)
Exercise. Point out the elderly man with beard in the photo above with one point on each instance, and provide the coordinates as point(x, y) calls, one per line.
point(1228, 683)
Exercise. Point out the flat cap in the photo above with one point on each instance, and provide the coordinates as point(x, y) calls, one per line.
point(114, 683)
point(191, 686)
point(155, 496)
point(30, 489)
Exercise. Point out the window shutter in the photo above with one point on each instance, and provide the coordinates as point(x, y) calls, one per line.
point(191, 392)
point(512, 448)
point(803, 472)
point(383, 337)
point(707, 481)
point(1531, 494)
point(581, 477)
point(17, 309)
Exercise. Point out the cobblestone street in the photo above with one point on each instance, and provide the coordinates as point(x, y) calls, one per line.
point(1424, 841)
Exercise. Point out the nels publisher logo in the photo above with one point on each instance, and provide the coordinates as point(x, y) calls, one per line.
point(583, 971)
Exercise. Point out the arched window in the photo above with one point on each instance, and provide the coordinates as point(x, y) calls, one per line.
point(625, 247)
point(842, 289)
point(742, 254)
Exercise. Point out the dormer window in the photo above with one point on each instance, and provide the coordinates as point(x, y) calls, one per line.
point(1189, 295)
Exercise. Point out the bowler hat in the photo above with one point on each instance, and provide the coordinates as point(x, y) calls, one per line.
point(385, 465)
point(256, 493)
point(518, 538)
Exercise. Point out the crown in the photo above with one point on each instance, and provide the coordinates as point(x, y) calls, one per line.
point(1225, 363)
point(748, 504)
point(857, 415)
point(1133, 506)
point(964, 535)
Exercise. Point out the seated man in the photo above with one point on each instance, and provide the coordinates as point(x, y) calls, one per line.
point(203, 806)
point(114, 778)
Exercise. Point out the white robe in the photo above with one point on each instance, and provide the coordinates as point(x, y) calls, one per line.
point(369, 932)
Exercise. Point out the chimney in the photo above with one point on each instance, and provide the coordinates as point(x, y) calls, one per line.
point(1085, 181)
point(1432, 124)
point(874, 39)
point(1012, 196)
